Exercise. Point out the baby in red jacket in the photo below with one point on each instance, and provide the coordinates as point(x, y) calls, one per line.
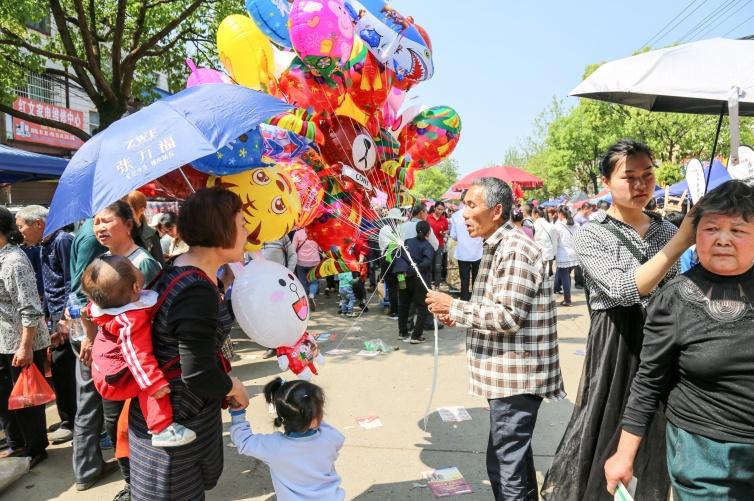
point(123, 361)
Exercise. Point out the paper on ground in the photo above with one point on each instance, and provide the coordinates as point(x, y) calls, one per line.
point(369, 422)
point(327, 336)
point(338, 352)
point(370, 354)
point(454, 414)
point(446, 482)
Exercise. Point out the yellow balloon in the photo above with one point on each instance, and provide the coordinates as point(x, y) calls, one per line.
point(349, 109)
point(245, 52)
point(271, 204)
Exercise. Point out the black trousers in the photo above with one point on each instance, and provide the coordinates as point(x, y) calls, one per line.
point(510, 461)
point(414, 293)
point(112, 410)
point(64, 382)
point(467, 270)
point(391, 280)
point(578, 277)
point(24, 428)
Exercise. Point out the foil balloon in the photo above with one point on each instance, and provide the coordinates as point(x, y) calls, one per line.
point(430, 137)
point(358, 53)
point(369, 85)
point(271, 17)
point(282, 145)
point(174, 185)
point(239, 155)
point(392, 38)
point(349, 109)
point(245, 52)
point(405, 118)
point(200, 76)
point(310, 192)
point(388, 147)
point(299, 122)
point(321, 33)
point(270, 203)
point(349, 143)
point(303, 89)
point(283, 60)
point(270, 304)
point(337, 227)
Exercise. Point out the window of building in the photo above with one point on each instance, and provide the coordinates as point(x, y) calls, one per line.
point(93, 121)
point(42, 26)
point(43, 88)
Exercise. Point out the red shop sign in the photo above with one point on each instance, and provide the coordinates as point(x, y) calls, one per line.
point(30, 132)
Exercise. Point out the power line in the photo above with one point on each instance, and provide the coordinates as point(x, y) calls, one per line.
point(700, 37)
point(712, 16)
point(739, 25)
point(659, 33)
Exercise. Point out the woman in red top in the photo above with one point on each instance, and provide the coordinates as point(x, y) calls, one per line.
point(439, 224)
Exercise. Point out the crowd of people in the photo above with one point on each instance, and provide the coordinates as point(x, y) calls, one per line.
point(667, 379)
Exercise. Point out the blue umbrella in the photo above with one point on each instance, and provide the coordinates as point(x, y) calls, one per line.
point(141, 147)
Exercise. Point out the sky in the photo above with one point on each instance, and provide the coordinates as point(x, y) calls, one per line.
point(499, 63)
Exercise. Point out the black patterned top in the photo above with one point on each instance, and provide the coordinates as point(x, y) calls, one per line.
point(698, 356)
point(609, 266)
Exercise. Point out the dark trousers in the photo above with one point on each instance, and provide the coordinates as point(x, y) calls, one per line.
point(358, 289)
point(112, 410)
point(437, 268)
point(374, 260)
point(414, 293)
point(510, 461)
point(391, 280)
point(467, 270)
point(87, 455)
point(578, 277)
point(64, 381)
point(563, 280)
point(24, 428)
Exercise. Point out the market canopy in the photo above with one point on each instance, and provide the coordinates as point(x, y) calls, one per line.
point(717, 177)
point(20, 165)
point(507, 173)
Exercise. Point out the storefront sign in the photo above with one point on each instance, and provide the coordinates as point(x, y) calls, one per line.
point(29, 132)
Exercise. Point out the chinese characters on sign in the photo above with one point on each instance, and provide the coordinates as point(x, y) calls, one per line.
point(144, 151)
point(29, 132)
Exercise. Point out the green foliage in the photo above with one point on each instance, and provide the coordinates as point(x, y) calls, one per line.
point(112, 49)
point(668, 173)
point(433, 182)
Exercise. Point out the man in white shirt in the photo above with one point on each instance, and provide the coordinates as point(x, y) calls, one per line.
point(408, 229)
point(468, 252)
point(389, 233)
point(546, 238)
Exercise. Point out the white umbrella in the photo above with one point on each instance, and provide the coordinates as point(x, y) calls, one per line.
point(701, 77)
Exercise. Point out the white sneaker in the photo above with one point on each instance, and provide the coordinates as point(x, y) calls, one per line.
point(174, 435)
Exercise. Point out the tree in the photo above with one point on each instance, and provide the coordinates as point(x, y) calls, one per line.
point(433, 182)
point(668, 173)
point(111, 49)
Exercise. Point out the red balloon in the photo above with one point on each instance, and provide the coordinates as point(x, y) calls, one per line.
point(310, 192)
point(348, 142)
point(173, 184)
point(304, 90)
point(370, 84)
point(336, 228)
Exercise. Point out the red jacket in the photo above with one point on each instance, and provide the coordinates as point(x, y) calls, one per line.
point(124, 341)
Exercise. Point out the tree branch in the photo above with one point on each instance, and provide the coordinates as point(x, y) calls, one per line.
point(45, 121)
point(139, 25)
point(169, 45)
point(18, 42)
point(91, 48)
point(120, 22)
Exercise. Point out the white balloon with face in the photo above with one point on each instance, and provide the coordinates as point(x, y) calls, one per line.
point(270, 304)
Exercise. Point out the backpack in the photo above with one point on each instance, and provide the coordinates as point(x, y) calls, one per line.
point(110, 373)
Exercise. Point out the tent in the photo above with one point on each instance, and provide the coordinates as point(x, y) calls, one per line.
point(717, 177)
point(20, 165)
point(507, 173)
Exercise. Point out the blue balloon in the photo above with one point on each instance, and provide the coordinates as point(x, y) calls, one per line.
point(243, 153)
point(271, 17)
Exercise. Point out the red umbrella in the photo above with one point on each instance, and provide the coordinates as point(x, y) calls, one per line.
point(507, 173)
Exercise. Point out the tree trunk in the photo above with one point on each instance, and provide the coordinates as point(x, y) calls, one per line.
point(109, 113)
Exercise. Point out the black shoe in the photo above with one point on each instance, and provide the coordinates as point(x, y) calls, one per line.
point(271, 352)
point(35, 460)
point(418, 340)
point(107, 468)
point(124, 494)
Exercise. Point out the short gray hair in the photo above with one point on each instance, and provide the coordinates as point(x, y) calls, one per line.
point(32, 213)
point(496, 191)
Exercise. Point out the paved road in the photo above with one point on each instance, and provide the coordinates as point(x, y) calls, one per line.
point(378, 464)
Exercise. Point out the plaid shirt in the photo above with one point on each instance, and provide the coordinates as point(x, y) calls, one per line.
point(511, 343)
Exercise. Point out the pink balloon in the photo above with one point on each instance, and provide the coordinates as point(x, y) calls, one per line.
point(204, 75)
point(396, 98)
point(321, 33)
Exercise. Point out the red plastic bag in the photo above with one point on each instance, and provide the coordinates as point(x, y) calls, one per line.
point(30, 389)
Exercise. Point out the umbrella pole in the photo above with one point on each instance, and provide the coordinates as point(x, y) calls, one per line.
point(714, 147)
point(185, 178)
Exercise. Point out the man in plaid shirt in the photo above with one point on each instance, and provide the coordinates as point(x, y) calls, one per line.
point(511, 342)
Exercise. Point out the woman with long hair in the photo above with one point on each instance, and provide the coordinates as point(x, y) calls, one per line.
point(627, 254)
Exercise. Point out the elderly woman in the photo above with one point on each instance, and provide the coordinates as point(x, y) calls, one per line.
point(627, 255)
point(190, 328)
point(698, 358)
point(115, 229)
point(24, 339)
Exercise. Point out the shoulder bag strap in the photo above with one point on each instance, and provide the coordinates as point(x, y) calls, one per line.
point(639, 255)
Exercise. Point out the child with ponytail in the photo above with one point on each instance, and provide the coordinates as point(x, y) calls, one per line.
point(301, 457)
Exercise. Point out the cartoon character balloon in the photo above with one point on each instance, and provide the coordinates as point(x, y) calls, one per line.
point(369, 85)
point(270, 203)
point(321, 33)
point(300, 357)
point(270, 304)
point(392, 38)
point(282, 145)
point(310, 192)
point(237, 156)
point(271, 17)
point(201, 76)
point(430, 137)
point(305, 90)
point(348, 142)
point(245, 52)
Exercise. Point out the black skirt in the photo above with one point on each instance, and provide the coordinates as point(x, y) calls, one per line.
point(612, 359)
